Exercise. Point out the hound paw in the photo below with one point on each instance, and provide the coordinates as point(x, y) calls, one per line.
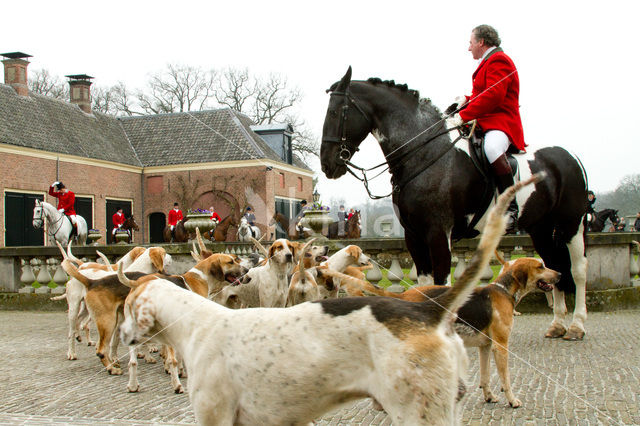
point(78, 338)
point(574, 333)
point(139, 355)
point(91, 343)
point(179, 389)
point(133, 389)
point(555, 331)
point(515, 403)
point(71, 356)
point(153, 349)
point(150, 360)
point(490, 397)
point(115, 371)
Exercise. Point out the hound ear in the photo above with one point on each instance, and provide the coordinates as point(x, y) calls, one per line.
point(156, 254)
point(521, 275)
point(215, 268)
point(272, 250)
point(346, 80)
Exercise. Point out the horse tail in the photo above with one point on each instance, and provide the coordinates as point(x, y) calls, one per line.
point(491, 235)
point(70, 269)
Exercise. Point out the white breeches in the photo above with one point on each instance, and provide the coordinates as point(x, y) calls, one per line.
point(72, 218)
point(496, 143)
point(172, 226)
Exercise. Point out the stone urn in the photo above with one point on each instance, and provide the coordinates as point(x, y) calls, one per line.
point(317, 220)
point(122, 236)
point(93, 236)
point(198, 220)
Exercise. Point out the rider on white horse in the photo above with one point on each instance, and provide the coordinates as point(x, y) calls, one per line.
point(118, 220)
point(66, 201)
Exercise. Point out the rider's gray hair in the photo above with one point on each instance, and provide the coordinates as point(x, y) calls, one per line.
point(488, 34)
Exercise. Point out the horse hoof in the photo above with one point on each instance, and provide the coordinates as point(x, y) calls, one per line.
point(555, 331)
point(574, 333)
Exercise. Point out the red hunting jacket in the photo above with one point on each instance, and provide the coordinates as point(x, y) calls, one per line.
point(174, 217)
point(215, 216)
point(66, 201)
point(117, 219)
point(494, 100)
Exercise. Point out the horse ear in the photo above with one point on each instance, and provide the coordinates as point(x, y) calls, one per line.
point(344, 83)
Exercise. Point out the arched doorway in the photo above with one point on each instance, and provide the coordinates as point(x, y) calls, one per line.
point(157, 222)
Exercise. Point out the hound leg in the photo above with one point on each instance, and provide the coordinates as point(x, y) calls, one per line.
point(147, 354)
point(579, 273)
point(501, 357)
point(72, 316)
point(133, 385)
point(115, 340)
point(173, 370)
point(85, 322)
point(485, 373)
point(106, 323)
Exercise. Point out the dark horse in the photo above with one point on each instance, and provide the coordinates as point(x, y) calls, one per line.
point(128, 225)
point(351, 228)
point(437, 187)
point(598, 219)
point(180, 235)
point(284, 225)
point(222, 228)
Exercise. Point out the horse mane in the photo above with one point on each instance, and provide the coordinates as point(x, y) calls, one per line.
point(393, 85)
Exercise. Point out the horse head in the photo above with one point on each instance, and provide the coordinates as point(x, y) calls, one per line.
point(38, 215)
point(346, 124)
point(131, 223)
point(613, 217)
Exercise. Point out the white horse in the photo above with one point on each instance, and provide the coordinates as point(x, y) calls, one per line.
point(59, 226)
point(245, 231)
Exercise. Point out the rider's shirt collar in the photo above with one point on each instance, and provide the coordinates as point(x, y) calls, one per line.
point(489, 50)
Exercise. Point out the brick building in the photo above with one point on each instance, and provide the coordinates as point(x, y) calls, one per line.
point(143, 164)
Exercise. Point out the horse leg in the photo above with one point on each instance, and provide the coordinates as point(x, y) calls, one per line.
point(579, 273)
point(542, 236)
point(438, 242)
point(420, 255)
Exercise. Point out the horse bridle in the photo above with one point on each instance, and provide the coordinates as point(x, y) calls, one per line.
point(345, 153)
point(41, 219)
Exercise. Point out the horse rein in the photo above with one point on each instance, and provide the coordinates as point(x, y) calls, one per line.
point(392, 160)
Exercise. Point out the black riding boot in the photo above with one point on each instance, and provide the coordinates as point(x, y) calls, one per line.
point(504, 179)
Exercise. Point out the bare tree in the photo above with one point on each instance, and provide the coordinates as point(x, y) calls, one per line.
point(43, 83)
point(179, 88)
point(234, 89)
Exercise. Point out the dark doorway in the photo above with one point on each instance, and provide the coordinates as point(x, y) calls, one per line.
point(157, 222)
point(18, 220)
point(112, 208)
point(84, 208)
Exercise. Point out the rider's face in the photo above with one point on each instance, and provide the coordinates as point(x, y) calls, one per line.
point(477, 48)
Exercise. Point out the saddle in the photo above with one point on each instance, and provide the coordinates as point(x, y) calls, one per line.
point(479, 159)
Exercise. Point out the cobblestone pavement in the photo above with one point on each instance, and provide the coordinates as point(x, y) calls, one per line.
point(596, 381)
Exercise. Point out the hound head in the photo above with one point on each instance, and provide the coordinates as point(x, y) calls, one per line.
point(318, 254)
point(355, 252)
point(222, 267)
point(282, 251)
point(530, 274)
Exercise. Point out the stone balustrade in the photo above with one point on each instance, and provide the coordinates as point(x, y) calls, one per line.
point(612, 263)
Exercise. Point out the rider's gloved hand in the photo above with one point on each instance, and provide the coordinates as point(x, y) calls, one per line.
point(61, 210)
point(454, 121)
point(55, 183)
point(457, 103)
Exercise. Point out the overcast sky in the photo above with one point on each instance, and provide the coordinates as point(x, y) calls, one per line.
point(577, 60)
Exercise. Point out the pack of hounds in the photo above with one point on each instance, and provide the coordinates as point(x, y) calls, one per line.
point(266, 339)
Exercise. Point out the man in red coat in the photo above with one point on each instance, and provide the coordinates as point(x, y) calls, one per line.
point(494, 104)
point(175, 216)
point(66, 201)
point(118, 220)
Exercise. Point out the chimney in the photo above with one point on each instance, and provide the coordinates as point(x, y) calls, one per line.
point(80, 91)
point(15, 71)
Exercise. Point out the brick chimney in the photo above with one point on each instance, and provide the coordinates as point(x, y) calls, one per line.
point(15, 71)
point(80, 91)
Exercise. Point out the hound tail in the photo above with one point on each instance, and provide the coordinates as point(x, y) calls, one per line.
point(70, 269)
point(491, 235)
